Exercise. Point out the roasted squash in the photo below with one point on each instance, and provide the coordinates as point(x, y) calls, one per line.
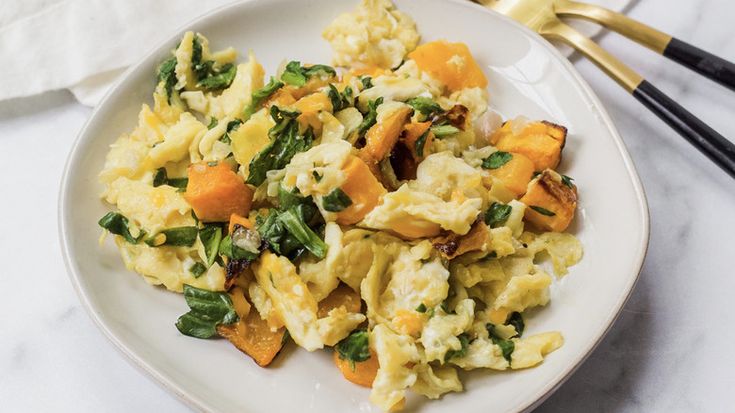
point(362, 187)
point(450, 63)
point(515, 174)
point(541, 142)
point(382, 136)
point(412, 133)
point(215, 192)
point(237, 219)
point(453, 245)
point(361, 373)
point(342, 296)
point(551, 203)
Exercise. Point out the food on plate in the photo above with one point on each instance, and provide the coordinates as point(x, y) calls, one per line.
point(377, 208)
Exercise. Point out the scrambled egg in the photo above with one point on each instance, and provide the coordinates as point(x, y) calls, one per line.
point(352, 220)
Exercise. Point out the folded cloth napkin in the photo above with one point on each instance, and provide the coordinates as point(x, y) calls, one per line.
point(84, 45)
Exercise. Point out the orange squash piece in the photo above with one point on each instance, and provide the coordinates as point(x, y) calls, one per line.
point(237, 219)
point(364, 372)
point(515, 174)
point(409, 322)
point(368, 70)
point(554, 202)
point(541, 142)
point(412, 133)
point(362, 187)
point(450, 63)
point(216, 192)
point(453, 245)
point(342, 296)
point(381, 137)
point(253, 336)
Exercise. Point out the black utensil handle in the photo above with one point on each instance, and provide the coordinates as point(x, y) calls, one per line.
point(720, 150)
point(704, 63)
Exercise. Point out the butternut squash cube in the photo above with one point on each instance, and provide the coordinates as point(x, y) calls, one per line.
point(541, 142)
point(361, 373)
point(362, 187)
point(254, 337)
point(381, 137)
point(216, 192)
point(515, 174)
point(342, 296)
point(551, 203)
point(450, 63)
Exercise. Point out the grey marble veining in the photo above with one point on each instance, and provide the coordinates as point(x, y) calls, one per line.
point(670, 350)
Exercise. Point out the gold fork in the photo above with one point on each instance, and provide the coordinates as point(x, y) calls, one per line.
point(543, 16)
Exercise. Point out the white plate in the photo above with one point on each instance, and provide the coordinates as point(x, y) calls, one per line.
point(527, 76)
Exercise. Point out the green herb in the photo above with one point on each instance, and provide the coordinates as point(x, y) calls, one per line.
point(212, 123)
point(426, 106)
point(288, 199)
point(340, 100)
point(296, 226)
point(286, 142)
point(497, 214)
point(543, 211)
point(260, 96)
point(506, 346)
point(567, 181)
point(208, 310)
point(316, 176)
point(464, 340)
point(496, 160)
point(200, 69)
point(167, 75)
point(355, 348)
point(441, 131)
point(219, 79)
point(174, 237)
point(297, 75)
point(116, 223)
point(371, 116)
point(516, 320)
point(420, 143)
point(161, 178)
point(336, 201)
point(211, 236)
point(197, 269)
point(366, 81)
point(231, 126)
point(421, 308)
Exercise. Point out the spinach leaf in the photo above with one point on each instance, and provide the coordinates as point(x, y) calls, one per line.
point(208, 310)
point(420, 143)
point(366, 81)
point(370, 117)
point(426, 106)
point(200, 69)
point(260, 96)
point(174, 237)
point(340, 100)
point(211, 236)
point(496, 160)
point(516, 320)
point(297, 75)
point(219, 79)
point(228, 249)
point(316, 176)
point(161, 178)
point(288, 199)
point(464, 340)
point(506, 346)
point(231, 126)
point(542, 211)
point(336, 201)
point(421, 308)
point(197, 269)
point(295, 225)
point(354, 348)
point(286, 142)
point(167, 75)
point(212, 123)
point(441, 131)
point(567, 181)
point(497, 214)
point(116, 223)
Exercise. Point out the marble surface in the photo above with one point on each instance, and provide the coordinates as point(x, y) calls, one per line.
point(669, 351)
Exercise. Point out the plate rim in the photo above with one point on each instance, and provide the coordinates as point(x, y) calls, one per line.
point(197, 403)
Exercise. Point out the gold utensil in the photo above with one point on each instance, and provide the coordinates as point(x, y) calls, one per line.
point(543, 16)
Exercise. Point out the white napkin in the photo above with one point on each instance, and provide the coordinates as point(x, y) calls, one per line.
point(84, 45)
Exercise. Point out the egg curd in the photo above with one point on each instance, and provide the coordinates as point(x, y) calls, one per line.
point(376, 208)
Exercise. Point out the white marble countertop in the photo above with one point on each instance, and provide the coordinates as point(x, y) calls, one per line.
point(669, 351)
